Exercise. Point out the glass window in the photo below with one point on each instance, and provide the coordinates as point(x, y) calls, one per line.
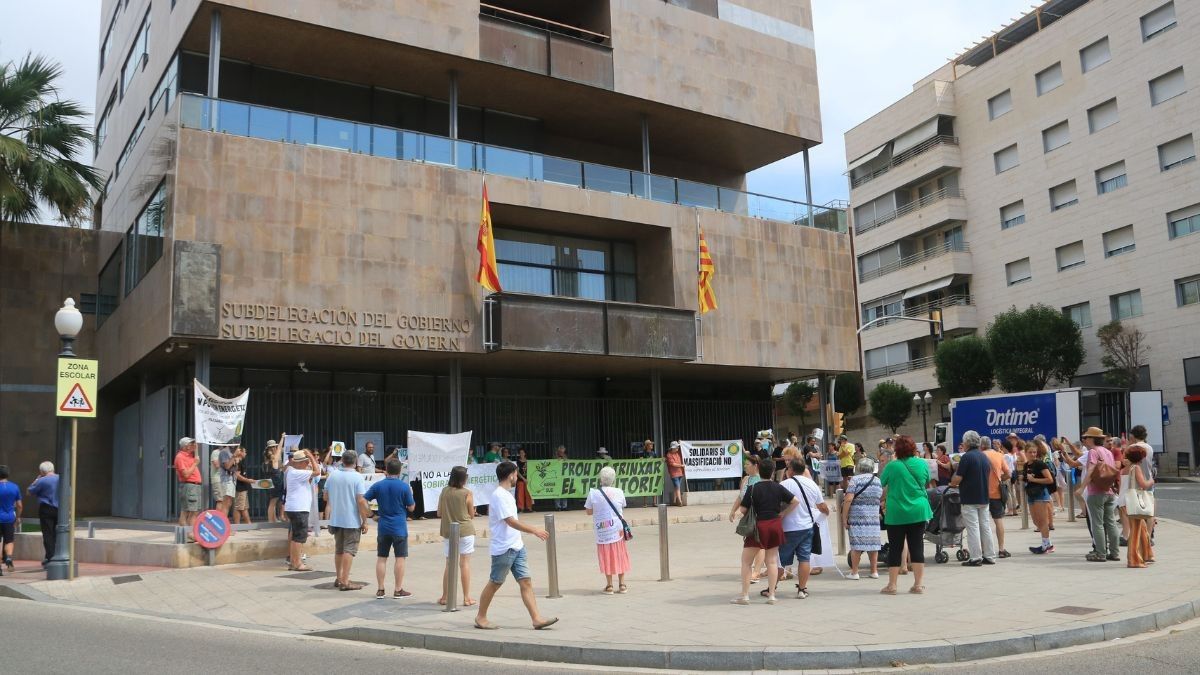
point(1167, 86)
point(1094, 55)
point(144, 240)
point(106, 45)
point(1006, 159)
point(1158, 21)
point(545, 264)
point(1081, 314)
point(1176, 153)
point(131, 142)
point(889, 306)
point(1018, 271)
point(167, 86)
point(1102, 116)
point(1049, 79)
point(1118, 241)
point(1111, 177)
point(108, 293)
point(1126, 305)
point(999, 104)
point(1012, 214)
point(102, 122)
point(1184, 221)
point(136, 59)
point(1063, 195)
point(1056, 136)
point(1187, 291)
point(1070, 255)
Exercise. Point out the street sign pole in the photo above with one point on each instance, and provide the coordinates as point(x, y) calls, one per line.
point(71, 497)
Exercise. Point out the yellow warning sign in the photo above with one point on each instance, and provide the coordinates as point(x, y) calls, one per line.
point(77, 387)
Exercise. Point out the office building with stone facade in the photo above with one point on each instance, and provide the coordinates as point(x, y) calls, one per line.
point(1053, 162)
point(292, 202)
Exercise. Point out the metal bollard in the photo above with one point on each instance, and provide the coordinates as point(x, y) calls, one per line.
point(664, 552)
point(1070, 495)
point(91, 530)
point(1024, 504)
point(452, 570)
point(552, 557)
point(837, 513)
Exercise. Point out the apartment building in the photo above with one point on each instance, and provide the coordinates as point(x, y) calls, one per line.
point(294, 191)
point(1053, 162)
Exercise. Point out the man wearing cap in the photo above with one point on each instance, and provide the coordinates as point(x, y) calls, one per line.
point(674, 462)
point(297, 476)
point(1101, 502)
point(187, 470)
point(971, 479)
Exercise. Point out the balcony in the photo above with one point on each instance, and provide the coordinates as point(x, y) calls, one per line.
point(915, 278)
point(911, 207)
point(915, 151)
point(898, 368)
point(275, 124)
point(545, 47)
point(959, 315)
point(536, 323)
point(909, 261)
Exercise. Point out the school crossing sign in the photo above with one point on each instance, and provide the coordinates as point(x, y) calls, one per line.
point(77, 387)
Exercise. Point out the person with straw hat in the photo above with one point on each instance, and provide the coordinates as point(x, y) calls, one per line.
point(1099, 479)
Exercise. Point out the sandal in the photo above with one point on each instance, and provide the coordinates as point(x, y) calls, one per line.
point(625, 589)
point(545, 624)
point(351, 587)
point(766, 593)
point(1094, 557)
point(401, 593)
point(487, 626)
point(888, 591)
point(917, 590)
point(815, 571)
point(380, 593)
point(608, 590)
point(302, 568)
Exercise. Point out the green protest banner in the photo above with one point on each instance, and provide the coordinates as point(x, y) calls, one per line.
point(573, 478)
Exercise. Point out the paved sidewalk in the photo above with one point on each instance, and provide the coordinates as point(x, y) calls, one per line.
point(1024, 603)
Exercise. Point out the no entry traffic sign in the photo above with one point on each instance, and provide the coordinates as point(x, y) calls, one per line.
point(211, 529)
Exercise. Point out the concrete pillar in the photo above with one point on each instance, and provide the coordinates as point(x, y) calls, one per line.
point(656, 413)
point(455, 392)
point(453, 104)
point(808, 188)
point(214, 54)
point(203, 368)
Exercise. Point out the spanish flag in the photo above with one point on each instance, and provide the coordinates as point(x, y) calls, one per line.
point(708, 301)
point(488, 275)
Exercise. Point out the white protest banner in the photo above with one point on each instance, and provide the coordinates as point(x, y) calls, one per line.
point(430, 458)
point(481, 479)
point(712, 459)
point(219, 420)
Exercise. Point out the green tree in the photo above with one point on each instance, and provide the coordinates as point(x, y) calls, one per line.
point(1032, 347)
point(797, 397)
point(1124, 351)
point(964, 367)
point(40, 137)
point(849, 393)
point(890, 404)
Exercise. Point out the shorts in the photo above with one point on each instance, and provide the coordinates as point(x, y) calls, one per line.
point(511, 560)
point(228, 488)
point(297, 525)
point(996, 508)
point(216, 490)
point(847, 471)
point(676, 481)
point(466, 546)
point(770, 535)
point(386, 544)
point(189, 496)
point(8, 532)
point(241, 501)
point(345, 539)
point(796, 545)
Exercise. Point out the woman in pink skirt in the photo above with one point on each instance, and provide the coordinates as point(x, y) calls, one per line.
point(606, 506)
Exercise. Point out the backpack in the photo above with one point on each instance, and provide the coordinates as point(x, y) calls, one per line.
point(1053, 487)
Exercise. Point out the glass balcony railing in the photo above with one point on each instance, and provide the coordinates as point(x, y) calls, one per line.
point(274, 124)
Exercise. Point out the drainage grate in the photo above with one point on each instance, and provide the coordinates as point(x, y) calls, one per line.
point(117, 581)
point(315, 574)
point(1076, 611)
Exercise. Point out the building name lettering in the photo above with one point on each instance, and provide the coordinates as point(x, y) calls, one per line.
point(341, 327)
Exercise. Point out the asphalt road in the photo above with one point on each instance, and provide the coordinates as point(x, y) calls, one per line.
point(54, 638)
point(1179, 501)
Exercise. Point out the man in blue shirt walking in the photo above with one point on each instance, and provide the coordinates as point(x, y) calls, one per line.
point(45, 489)
point(971, 479)
point(395, 500)
point(10, 515)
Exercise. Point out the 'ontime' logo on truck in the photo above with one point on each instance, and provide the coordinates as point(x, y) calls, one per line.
point(1011, 417)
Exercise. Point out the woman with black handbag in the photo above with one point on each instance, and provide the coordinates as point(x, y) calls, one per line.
point(761, 527)
point(606, 506)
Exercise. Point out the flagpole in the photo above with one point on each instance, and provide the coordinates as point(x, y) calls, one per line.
point(699, 314)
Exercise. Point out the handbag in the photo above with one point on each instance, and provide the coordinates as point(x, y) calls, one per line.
point(748, 524)
point(1139, 503)
point(816, 529)
point(626, 531)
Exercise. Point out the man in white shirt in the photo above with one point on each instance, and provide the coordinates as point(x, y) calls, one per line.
point(297, 478)
point(508, 550)
point(798, 523)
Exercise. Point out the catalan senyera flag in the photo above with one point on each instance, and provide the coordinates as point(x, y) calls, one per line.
point(708, 301)
point(488, 275)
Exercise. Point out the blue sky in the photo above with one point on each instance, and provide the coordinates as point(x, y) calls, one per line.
point(869, 54)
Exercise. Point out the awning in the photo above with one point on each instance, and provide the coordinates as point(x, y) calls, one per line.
point(931, 286)
point(867, 157)
point(911, 138)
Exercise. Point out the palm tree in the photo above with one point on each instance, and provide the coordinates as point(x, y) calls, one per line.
point(40, 135)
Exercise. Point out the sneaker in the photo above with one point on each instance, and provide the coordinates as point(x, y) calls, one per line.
point(741, 600)
point(303, 557)
point(1124, 541)
point(973, 563)
point(802, 593)
point(1115, 558)
point(874, 575)
point(989, 561)
point(1037, 550)
point(853, 577)
point(9, 563)
point(1048, 549)
point(771, 600)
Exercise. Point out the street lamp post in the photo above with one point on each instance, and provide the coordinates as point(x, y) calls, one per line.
point(924, 405)
point(68, 322)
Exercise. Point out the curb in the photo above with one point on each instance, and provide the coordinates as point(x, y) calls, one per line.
point(771, 658)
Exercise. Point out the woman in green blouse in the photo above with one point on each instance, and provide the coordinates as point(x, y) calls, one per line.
point(905, 512)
